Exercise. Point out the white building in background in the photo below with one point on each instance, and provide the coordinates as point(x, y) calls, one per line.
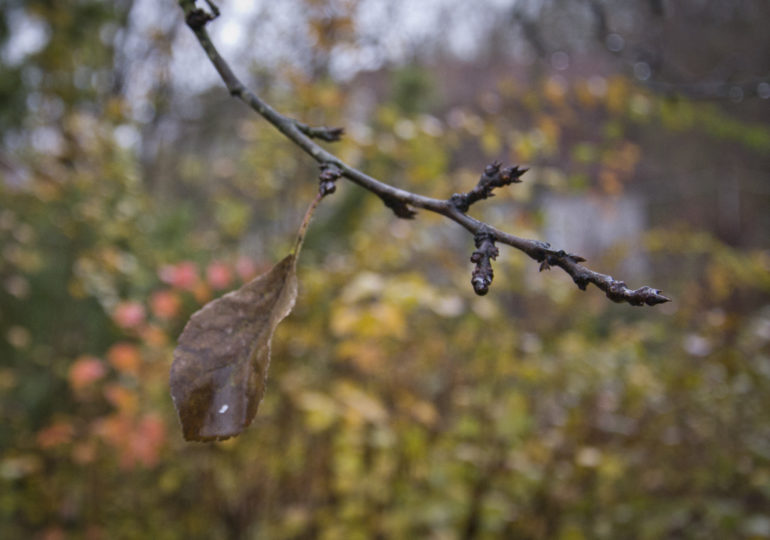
point(594, 226)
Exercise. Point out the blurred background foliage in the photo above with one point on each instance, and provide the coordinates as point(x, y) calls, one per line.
point(399, 404)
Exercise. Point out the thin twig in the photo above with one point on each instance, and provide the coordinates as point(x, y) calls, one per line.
point(403, 202)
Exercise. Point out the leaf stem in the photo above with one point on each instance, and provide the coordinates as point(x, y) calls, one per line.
point(305, 223)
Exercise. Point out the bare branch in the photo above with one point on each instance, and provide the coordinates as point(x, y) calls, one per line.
point(492, 178)
point(403, 202)
point(321, 132)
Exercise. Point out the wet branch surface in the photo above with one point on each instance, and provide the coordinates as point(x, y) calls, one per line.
point(402, 202)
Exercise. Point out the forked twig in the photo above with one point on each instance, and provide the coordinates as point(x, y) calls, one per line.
point(404, 202)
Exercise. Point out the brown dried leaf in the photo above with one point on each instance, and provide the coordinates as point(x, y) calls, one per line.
point(220, 364)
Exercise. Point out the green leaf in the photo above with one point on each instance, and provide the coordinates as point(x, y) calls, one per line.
point(220, 365)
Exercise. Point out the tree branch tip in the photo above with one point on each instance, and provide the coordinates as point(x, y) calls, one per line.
point(213, 7)
point(619, 292)
point(656, 297)
point(494, 176)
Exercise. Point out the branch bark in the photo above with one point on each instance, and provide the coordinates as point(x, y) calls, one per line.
point(403, 202)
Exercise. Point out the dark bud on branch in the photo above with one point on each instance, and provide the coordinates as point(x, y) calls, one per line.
point(494, 176)
point(399, 207)
point(322, 132)
point(616, 290)
point(197, 18)
point(619, 292)
point(552, 259)
point(327, 178)
point(485, 253)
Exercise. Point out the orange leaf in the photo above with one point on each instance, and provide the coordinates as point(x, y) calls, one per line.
point(218, 275)
point(121, 398)
point(125, 357)
point(165, 304)
point(85, 371)
point(129, 314)
point(182, 276)
point(58, 433)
